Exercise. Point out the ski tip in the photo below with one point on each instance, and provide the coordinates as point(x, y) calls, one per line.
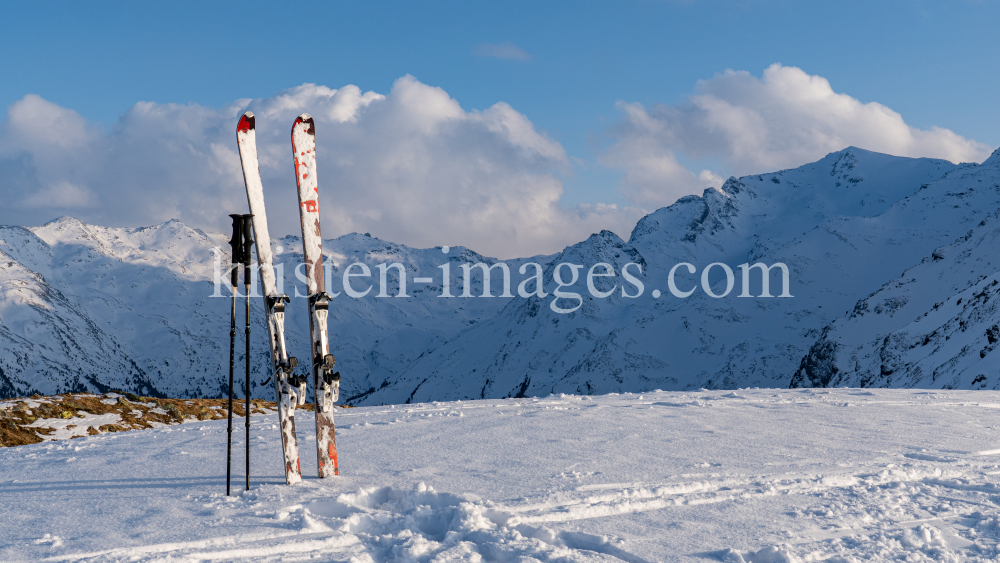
point(308, 121)
point(247, 122)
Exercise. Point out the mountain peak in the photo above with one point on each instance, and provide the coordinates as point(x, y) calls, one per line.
point(60, 228)
point(64, 220)
point(993, 160)
point(873, 158)
point(175, 225)
point(858, 151)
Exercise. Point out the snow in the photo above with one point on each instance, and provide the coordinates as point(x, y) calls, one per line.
point(66, 428)
point(753, 475)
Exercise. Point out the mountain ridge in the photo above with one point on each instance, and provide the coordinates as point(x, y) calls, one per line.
point(84, 307)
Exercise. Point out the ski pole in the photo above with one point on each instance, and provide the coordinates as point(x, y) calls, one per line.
point(236, 243)
point(247, 277)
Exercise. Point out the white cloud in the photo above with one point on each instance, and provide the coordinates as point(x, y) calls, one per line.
point(782, 120)
point(505, 50)
point(652, 175)
point(68, 195)
point(711, 179)
point(411, 166)
point(38, 124)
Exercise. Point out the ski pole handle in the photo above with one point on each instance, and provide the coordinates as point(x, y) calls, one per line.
point(236, 243)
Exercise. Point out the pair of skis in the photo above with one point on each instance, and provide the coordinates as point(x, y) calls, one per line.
point(291, 389)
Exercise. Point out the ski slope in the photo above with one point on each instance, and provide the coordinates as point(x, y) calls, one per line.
point(746, 475)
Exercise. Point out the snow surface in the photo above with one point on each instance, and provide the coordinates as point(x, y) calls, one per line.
point(746, 475)
point(76, 426)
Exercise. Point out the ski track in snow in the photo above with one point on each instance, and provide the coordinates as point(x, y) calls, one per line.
point(752, 475)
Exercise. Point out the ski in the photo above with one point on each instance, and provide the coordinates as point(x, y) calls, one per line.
point(326, 382)
point(290, 389)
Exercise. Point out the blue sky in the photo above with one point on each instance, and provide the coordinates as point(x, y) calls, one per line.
point(564, 66)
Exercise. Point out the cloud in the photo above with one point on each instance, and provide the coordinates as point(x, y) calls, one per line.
point(505, 50)
point(411, 166)
point(782, 120)
point(67, 194)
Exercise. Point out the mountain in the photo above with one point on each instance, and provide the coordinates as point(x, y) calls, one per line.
point(935, 326)
point(832, 222)
point(88, 308)
point(95, 308)
point(85, 307)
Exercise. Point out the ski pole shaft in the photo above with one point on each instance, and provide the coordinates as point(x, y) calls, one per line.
point(248, 384)
point(232, 362)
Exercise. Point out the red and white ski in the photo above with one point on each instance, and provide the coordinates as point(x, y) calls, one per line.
point(290, 390)
point(326, 382)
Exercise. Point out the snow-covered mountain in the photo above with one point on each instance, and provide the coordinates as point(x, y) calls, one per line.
point(835, 223)
point(935, 325)
point(85, 307)
point(88, 307)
